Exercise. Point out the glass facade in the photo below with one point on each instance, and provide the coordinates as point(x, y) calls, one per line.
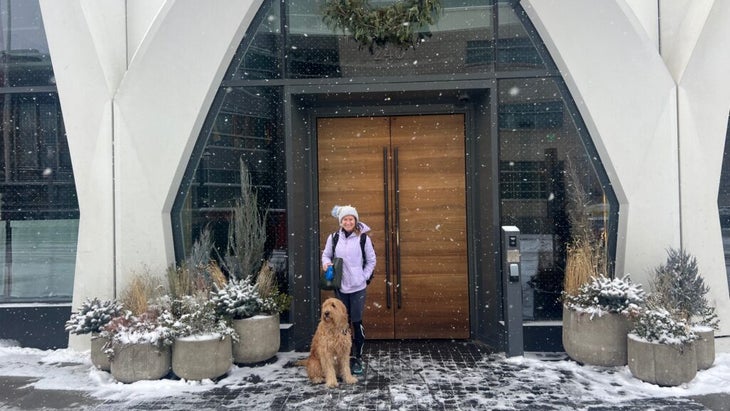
point(540, 152)
point(723, 202)
point(490, 41)
point(245, 129)
point(39, 209)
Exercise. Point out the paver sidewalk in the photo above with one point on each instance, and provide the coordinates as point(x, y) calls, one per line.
point(400, 375)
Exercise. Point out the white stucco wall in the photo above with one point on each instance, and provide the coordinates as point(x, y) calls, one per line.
point(140, 14)
point(646, 12)
point(87, 76)
point(703, 105)
point(134, 89)
point(654, 96)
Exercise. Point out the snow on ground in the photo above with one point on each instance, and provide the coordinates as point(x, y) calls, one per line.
point(530, 376)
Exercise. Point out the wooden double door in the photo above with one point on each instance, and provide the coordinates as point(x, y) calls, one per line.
point(406, 177)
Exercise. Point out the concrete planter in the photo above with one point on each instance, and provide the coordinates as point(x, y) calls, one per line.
point(705, 348)
point(661, 364)
point(200, 358)
point(258, 339)
point(595, 341)
point(98, 356)
point(139, 361)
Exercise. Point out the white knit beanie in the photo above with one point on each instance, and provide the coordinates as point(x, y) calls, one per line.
point(339, 212)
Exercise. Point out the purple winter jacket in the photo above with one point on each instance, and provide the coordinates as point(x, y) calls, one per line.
point(354, 276)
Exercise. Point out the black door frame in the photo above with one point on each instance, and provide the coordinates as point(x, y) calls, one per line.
point(477, 101)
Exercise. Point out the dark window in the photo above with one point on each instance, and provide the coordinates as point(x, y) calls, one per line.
point(523, 180)
point(723, 202)
point(531, 115)
point(515, 47)
point(38, 204)
point(479, 52)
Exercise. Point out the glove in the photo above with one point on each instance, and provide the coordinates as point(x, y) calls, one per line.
point(329, 275)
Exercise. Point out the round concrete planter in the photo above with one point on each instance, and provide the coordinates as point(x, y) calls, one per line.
point(661, 364)
point(595, 341)
point(200, 358)
point(705, 348)
point(98, 356)
point(139, 361)
point(258, 339)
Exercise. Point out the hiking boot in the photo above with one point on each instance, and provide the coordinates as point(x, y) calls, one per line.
point(356, 366)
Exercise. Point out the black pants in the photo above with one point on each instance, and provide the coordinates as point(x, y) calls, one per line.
point(358, 339)
point(355, 304)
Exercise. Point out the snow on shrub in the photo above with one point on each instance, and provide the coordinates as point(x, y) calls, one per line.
point(149, 327)
point(607, 295)
point(241, 299)
point(92, 316)
point(194, 316)
point(657, 325)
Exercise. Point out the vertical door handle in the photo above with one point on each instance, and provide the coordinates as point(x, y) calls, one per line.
point(396, 194)
point(386, 198)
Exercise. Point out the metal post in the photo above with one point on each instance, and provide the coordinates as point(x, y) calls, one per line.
point(512, 291)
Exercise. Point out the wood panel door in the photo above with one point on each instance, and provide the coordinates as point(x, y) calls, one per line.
point(406, 177)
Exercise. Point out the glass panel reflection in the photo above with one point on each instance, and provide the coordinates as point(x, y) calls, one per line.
point(38, 199)
point(541, 157)
point(258, 58)
point(246, 129)
point(460, 42)
point(515, 49)
point(24, 58)
point(44, 257)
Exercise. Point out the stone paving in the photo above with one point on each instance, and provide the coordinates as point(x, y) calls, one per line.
point(400, 375)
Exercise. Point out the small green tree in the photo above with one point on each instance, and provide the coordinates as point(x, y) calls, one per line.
point(678, 286)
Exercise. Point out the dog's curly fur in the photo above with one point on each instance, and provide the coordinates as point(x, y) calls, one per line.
point(331, 344)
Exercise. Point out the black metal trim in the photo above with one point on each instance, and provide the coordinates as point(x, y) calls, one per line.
point(386, 200)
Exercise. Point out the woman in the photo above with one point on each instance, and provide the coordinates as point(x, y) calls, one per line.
point(358, 263)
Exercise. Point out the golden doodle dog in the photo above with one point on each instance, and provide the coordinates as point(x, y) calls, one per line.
point(330, 353)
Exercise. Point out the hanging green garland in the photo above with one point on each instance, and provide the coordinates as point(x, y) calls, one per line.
point(397, 24)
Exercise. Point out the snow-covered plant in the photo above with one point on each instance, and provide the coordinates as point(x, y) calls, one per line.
point(602, 294)
point(194, 316)
point(92, 316)
point(657, 325)
point(678, 284)
point(152, 326)
point(708, 318)
point(241, 299)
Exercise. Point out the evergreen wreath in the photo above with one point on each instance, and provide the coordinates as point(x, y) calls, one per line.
point(397, 24)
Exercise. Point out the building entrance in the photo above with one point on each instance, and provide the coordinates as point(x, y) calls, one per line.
point(406, 177)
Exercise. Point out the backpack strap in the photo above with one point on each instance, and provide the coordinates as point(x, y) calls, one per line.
point(363, 238)
point(335, 238)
